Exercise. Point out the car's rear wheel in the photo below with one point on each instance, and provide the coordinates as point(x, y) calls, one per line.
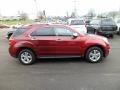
point(94, 54)
point(26, 57)
point(9, 36)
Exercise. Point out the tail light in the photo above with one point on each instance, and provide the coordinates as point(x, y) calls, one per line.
point(11, 41)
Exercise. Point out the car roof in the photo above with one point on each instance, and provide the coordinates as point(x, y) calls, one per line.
point(40, 25)
point(102, 19)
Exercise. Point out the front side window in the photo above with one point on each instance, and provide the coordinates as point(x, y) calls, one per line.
point(45, 31)
point(61, 31)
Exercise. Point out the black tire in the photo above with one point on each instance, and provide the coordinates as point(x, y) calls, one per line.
point(90, 50)
point(112, 36)
point(9, 36)
point(31, 54)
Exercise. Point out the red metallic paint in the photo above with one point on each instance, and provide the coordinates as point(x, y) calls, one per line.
point(55, 45)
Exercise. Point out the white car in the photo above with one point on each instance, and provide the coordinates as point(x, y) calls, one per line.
point(78, 24)
point(118, 24)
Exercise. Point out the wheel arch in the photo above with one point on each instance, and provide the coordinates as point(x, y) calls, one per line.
point(22, 48)
point(100, 46)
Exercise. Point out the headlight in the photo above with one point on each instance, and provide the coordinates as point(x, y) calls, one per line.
point(105, 40)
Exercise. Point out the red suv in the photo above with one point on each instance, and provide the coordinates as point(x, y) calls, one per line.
point(53, 40)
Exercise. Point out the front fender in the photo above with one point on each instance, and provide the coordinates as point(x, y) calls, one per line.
point(93, 42)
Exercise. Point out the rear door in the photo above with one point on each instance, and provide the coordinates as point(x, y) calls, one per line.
point(45, 41)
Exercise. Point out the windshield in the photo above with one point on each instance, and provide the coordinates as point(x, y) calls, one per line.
point(108, 22)
point(77, 22)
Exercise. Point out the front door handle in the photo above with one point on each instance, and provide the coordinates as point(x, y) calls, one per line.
point(32, 38)
point(59, 39)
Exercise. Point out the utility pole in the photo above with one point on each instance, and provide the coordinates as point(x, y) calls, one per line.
point(36, 7)
point(75, 7)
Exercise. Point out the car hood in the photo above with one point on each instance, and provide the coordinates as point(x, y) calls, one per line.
point(92, 36)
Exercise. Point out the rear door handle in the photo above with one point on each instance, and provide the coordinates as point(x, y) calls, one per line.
point(58, 39)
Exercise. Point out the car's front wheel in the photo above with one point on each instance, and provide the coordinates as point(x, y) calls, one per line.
point(26, 57)
point(94, 54)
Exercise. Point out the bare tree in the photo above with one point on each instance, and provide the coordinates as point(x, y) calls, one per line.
point(41, 16)
point(113, 14)
point(91, 13)
point(23, 16)
point(73, 15)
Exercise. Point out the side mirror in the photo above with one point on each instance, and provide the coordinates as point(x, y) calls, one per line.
point(75, 35)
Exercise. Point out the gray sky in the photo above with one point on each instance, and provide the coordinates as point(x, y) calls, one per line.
point(57, 7)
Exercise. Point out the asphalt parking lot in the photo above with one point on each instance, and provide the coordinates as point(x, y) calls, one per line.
point(60, 74)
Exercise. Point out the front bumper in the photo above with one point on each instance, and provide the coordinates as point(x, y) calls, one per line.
point(107, 50)
point(106, 32)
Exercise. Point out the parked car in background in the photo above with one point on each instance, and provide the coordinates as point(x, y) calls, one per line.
point(78, 24)
point(16, 25)
point(103, 26)
point(4, 26)
point(53, 40)
point(87, 21)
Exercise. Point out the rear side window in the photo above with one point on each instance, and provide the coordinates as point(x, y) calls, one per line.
point(19, 31)
point(45, 31)
point(95, 22)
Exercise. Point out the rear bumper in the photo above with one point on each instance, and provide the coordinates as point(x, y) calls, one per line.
point(13, 51)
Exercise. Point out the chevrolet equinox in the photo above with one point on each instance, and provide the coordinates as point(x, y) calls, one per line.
point(54, 40)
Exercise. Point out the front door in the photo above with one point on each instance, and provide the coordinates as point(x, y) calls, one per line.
point(65, 43)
